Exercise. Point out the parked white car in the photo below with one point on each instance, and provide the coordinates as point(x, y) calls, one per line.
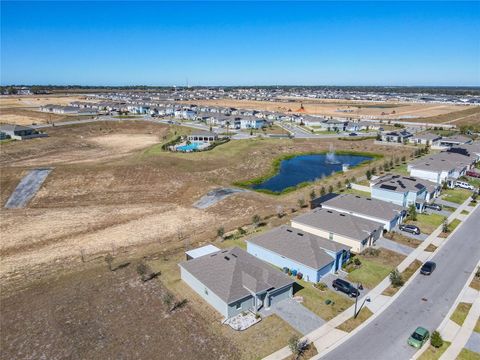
point(464, 185)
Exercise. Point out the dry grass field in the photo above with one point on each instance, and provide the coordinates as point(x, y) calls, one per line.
point(99, 314)
point(354, 109)
point(113, 190)
point(35, 101)
point(25, 110)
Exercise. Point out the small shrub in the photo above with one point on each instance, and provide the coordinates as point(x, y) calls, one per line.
point(168, 299)
point(357, 262)
point(436, 340)
point(313, 195)
point(301, 203)
point(220, 232)
point(321, 286)
point(142, 269)
point(297, 346)
point(257, 316)
point(256, 220)
point(396, 278)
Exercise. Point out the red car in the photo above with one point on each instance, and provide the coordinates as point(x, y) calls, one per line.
point(473, 174)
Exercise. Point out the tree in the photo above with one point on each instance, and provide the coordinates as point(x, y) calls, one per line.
point(330, 189)
point(368, 174)
point(339, 184)
point(256, 220)
point(296, 346)
point(445, 225)
point(396, 278)
point(322, 191)
point(436, 340)
point(412, 212)
point(313, 195)
point(220, 232)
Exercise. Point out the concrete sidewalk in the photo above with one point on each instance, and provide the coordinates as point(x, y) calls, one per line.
point(463, 335)
point(327, 337)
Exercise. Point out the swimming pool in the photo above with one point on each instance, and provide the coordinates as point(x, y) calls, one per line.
point(190, 147)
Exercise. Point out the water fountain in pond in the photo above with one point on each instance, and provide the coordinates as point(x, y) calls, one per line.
point(330, 157)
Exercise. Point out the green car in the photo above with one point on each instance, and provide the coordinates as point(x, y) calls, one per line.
point(419, 337)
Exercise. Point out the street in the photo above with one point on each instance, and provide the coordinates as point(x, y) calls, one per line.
point(425, 302)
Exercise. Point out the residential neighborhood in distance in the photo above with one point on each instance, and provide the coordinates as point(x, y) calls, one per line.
point(240, 180)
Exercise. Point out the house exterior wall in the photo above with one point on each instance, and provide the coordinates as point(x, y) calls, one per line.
point(355, 245)
point(426, 175)
point(309, 274)
point(244, 304)
point(210, 297)
point(389, 196)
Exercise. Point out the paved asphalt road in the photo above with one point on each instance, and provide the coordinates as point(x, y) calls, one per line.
point(385, 337)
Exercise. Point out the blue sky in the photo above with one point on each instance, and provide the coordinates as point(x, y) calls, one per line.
point(240, 43)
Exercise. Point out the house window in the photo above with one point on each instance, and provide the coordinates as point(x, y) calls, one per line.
point(238, 305)
point(205, 291)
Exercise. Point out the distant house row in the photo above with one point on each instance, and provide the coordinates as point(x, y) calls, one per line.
point(446, 166)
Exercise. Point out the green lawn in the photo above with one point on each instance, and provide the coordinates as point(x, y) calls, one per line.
point(427, 222)
point(314, 299)
point(464, 212)
point(370, 273)
point(457, 196)
point(466, 354)
point(453, 225)
point(433, 353)
point(477, 326)
point(460, 313)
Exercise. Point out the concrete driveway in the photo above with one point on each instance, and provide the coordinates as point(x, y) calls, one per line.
point(393, 246)
point(297, 315)
point(446, 203)
point(420, 237)
point(328, 279)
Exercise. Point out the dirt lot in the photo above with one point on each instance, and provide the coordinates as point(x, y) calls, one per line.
point(99, 314)
point(387, 110)
point(111, 188)
point(35, 101)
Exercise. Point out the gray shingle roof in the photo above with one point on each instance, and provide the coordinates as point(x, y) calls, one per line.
point(399, 183)
point(233, 274)
point(339, 223)
point(300, 246)
point(365, 206)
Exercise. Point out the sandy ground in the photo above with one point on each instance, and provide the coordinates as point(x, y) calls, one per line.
point(125, 142)
point(100, 314)
point(387, 110)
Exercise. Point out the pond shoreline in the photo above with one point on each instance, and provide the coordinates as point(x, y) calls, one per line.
point(275, 170)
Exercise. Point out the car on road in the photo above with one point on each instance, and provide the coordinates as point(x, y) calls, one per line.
point(352, 134)
point(412, 229)
point(345, 287)
point(419, 337)
point(428, 268)
point(464, 185)
point(435, 207)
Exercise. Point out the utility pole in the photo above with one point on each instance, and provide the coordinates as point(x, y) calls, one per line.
point(356, 301)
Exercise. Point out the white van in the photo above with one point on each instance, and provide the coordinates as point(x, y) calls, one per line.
point(464, 185)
